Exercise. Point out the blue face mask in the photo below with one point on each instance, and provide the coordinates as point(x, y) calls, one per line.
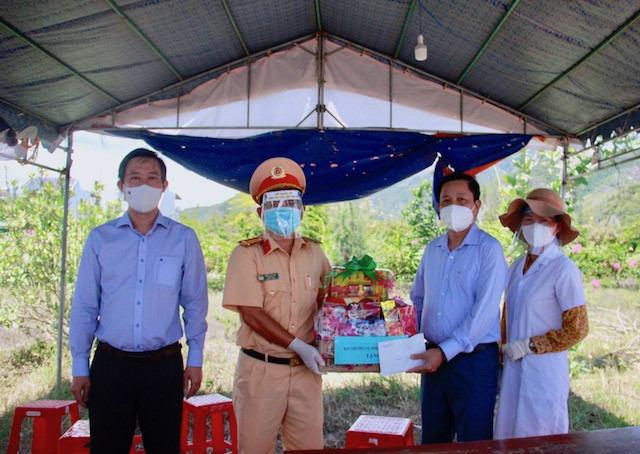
point(282, 221)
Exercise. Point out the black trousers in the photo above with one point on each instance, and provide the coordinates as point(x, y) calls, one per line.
point(123, 390)
point(459, 398)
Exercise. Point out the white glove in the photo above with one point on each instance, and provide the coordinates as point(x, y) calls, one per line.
point(516, 349)
point(309, 355)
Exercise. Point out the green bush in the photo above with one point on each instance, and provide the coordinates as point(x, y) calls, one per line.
point(31, 251)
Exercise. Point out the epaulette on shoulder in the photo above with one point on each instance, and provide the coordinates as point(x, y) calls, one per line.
point(251, 241)
point(313, 240)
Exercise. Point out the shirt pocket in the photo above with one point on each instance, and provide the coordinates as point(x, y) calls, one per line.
point(276, 299)
point(273, 287)
point(168, 271)
point(464, 280)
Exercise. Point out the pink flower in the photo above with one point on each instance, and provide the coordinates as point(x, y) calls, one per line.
point(633, 263)
point(616, 266)
point(595, 283)
point(29, 232)
point(576, 248)
point(415, 243)
point(509, 259)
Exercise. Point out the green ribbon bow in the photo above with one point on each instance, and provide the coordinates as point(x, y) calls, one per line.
point(366, 265)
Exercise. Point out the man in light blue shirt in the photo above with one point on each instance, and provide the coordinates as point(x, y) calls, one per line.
point(457, 293)
point(135, 274)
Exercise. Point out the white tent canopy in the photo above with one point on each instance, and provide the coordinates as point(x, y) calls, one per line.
point(294, 88)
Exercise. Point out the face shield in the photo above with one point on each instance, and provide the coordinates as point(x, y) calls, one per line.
point(282, 213)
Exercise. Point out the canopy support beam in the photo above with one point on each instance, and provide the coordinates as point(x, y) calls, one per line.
point(488, 41)
point(145, 38)
point(611, 118)
point(225, 67)
point(583, 60)
point(320, 69)
point(565, 157)
point(235, 27)
point(63, 256)
point(445, 83)
point(405, 26)
point(17, 33)
point(318, 15)
point(25, 111)
point(610, 162)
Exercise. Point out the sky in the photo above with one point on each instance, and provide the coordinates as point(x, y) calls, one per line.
point(96, 157)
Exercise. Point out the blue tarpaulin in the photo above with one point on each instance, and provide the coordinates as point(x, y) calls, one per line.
point(339, 164)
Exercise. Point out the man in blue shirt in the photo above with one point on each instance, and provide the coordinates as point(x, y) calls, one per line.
point(135, 274)
point(457, 293)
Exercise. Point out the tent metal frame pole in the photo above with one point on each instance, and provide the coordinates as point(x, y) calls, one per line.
point(320, 58)
point(611, 118)
point(487, 42)
point(178, 99)
point(11, 29)
point(234, 24)
point(145, 39)
point(341, 42)
point(405, 27)
point(605, 142)
point(318, 14)
point(249, 94)
point(283, 127)
point(390, 96)
point(226, 67)
point(565, 155)
point(461, 112)
point(611, 162)
point(446, 84)
point(583, 60)
point(63, 256)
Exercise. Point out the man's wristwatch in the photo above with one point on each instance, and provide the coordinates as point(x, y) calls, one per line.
point(532, 346)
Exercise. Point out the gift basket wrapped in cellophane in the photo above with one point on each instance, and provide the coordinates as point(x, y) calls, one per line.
point(357, 313)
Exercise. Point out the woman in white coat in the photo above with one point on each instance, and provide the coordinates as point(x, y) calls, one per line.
point(544, 315)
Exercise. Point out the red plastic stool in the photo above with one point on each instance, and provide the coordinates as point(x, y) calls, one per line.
point(135, 446)
point(47, 420)
point(379, 431)
point(215, 406)
point(76, 439)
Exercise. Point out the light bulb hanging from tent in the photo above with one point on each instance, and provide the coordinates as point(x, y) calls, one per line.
point(420, 51)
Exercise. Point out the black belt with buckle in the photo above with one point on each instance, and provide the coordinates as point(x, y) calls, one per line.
point(292, 362)
point(142, 357)
point(479, 348)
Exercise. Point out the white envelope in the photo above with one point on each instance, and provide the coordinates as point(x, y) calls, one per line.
point(395, 354)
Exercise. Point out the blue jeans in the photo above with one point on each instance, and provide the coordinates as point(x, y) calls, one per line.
point(459, 398)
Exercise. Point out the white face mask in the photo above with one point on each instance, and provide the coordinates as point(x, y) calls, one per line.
point(143, 198)
point(456, 217)
point(537, 235)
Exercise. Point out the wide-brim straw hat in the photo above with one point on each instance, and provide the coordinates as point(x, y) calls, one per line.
point(543, 202)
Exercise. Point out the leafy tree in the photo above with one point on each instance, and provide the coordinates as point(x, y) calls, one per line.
point(349, 224)
point(402, 243)
point(315, 223)
point(607, 249)
point(241, 221)
point(30, 249)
